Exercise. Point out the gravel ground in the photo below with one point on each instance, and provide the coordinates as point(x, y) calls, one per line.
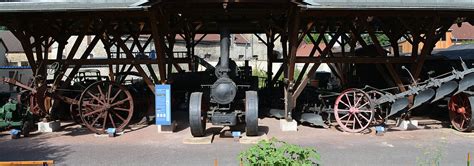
point(144, 146)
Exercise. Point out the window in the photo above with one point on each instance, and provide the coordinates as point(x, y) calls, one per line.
point(12, 64)
point(24, 63)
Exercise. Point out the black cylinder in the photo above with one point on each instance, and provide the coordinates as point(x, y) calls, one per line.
point(225, 48)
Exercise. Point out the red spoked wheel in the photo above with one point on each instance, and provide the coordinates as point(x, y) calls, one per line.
point(353, 110)
point(104, 105)
point(460, 112)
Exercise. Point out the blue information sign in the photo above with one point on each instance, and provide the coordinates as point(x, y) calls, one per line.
point(163, 104)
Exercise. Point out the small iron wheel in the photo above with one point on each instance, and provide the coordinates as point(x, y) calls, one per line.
point(353, 110)
point(251, 113)
point(197, 115)
point(105, 104)
point(460, 112)
point(74, 111)
point(381, 112)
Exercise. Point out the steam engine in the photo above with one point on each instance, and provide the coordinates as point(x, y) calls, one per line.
point(230, 100)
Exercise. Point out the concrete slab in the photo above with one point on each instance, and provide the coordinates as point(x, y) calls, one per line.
point(48, 127)
point(254, 139)
point(167, 128)
point(408, 124)
point(288, 125)
point(199, 140)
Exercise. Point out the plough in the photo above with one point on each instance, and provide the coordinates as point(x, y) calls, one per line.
point(356, 109)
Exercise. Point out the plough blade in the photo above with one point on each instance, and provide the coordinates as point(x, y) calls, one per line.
point(444, 90)
point(277, 113)
point(466, 83)
point(423, 97)
point(398, 105)
point(314, 119)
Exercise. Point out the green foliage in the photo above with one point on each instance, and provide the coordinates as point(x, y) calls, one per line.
point(432, 155)
point(275, 152)
point(315, 37)
point(382, 38)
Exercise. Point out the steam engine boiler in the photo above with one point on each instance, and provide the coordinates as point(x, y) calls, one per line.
point(232, 99)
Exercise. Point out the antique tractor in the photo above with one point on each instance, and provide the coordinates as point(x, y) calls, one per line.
point(230, 100)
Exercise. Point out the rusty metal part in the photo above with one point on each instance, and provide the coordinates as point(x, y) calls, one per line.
point(106, 104)
point(74, 111)
point(381, 111)
point(17, 83)
point(353, 110)
point(460, 112)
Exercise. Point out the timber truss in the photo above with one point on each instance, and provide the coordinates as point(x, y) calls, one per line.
point(281, 21)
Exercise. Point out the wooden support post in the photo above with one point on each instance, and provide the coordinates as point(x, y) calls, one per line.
point(77, 67)
point(270, 45)
point(432, 37)
point(303, 83)
point(107, 46)
point(140, 70)
point(293, 31)
point(158, 41)
point(27, 47)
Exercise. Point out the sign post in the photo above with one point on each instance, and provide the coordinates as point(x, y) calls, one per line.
point(163, 108)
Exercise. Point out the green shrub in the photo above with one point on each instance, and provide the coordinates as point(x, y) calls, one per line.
point(275, 152)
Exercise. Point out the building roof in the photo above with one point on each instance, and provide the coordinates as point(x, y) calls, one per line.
point(390, 4)
point(3, 44)
point(305, 49)
point(69, 5)
point(465, 32)
point(11, 42)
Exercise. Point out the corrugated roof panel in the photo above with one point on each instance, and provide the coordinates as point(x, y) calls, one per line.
point(65, 5)
point(381, 4)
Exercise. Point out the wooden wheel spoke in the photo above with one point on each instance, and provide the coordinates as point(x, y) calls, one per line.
point(100, 92)
point(343, 110)
point(95, 97)
point(357, 102)
point(362, 115)
point(344, 116)
point(118, 116)
point(112, 120)
point(363, 105)
point(115, 96)
point(105, 121)
point(94, 112)
point(356, 118)
point(108, 94)
point(120, 102)
point(347, 105)
point(90, 104)
point(348, 119)
point(348, 100)
point(97, 118)
point(121, 109)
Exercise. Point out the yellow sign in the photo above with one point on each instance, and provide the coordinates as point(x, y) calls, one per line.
point(27, 163)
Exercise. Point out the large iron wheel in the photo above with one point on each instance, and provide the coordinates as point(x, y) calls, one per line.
point(460, 112)
point(353, 110)
point(251, 113)
point(105, 104)
point(197, 115)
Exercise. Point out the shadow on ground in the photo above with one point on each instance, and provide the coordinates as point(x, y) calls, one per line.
point(31, 149)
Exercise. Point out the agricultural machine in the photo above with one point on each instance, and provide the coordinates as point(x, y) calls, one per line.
point(230, 100)
point(98, 102)
point(17, 116)
point(356, 109)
